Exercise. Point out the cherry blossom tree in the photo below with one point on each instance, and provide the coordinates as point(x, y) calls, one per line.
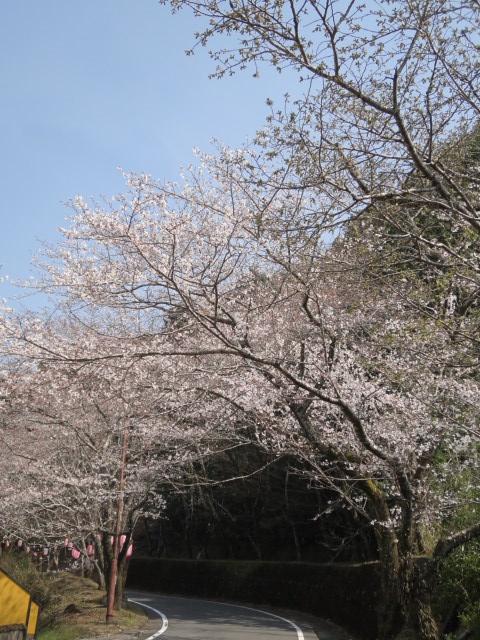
point(320, 287)
point(383, 142)
point(296, 339)
point(388, 114)
point(384, 133)
point(64, 416)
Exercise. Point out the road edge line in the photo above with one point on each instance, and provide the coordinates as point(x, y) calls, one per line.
point(162, 615)
point(274, 615)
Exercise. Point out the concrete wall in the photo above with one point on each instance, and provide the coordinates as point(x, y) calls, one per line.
point(344, 593)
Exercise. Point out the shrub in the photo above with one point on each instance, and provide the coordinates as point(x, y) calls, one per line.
point(457, 593)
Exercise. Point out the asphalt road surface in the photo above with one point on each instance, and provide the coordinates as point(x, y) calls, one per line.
point(184, 619)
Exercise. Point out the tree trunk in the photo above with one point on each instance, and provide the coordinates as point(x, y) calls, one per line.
point(416, 588)
point(101, 565)
point(389, 614)
point(100, 577)
point(123, 562)
point(389, 611)
point(117, 603)
point(404, 609)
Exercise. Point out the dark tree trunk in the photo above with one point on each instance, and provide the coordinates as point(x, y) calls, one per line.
point(389, 614)
point(100, 576)
point(416, 579)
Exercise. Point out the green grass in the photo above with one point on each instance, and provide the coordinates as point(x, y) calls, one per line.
point(62, 632)
point(89, 622)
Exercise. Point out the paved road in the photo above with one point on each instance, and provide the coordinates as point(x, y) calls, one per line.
point(185, 619)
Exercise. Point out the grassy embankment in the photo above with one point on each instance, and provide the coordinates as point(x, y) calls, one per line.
point(71, 607)
point(78, 611)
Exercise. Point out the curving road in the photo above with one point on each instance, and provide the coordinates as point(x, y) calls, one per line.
point(176, 618)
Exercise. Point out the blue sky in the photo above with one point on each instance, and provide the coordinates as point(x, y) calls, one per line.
point(91, 85)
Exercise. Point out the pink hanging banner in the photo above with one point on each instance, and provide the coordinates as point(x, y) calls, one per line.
point(90, 549)
point(129, 551)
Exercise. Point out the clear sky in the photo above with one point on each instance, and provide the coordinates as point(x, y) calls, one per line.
point(91, 85)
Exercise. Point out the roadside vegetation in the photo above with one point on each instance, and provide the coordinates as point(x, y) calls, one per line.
point(71, 607)
point(78, 611)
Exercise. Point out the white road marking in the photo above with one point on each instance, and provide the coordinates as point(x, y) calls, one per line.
point(296, 627)
point(162, 615)
point(227, 604)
